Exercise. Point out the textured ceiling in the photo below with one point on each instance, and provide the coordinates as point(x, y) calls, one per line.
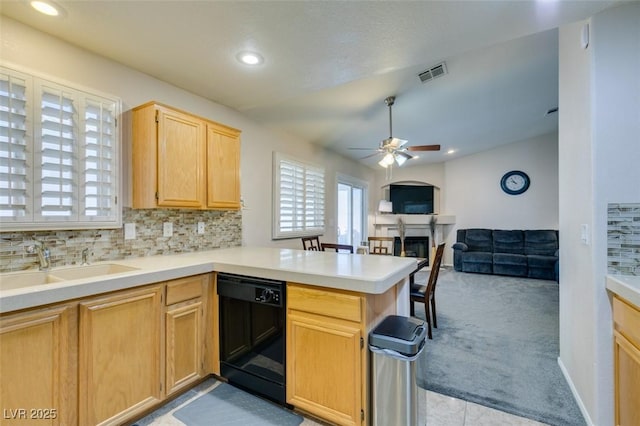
point(329, 65)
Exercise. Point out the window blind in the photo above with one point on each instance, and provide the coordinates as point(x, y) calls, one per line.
point(299, 198)
point(58, 155)
point(15, 194)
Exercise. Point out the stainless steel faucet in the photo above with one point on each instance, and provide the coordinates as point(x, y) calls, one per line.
point(44, 255)
point(85, 255)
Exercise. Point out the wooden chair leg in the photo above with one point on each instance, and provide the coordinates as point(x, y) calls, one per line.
point(433, 311)
point(428, 317)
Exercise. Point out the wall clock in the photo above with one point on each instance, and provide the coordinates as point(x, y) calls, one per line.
point(515, 182)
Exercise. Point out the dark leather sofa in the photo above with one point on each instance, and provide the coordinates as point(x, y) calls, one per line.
point(528, 253)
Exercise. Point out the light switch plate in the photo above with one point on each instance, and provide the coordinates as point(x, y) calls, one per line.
point(200, 227)
point(584, 233)
point(167, 229)
point(129, 231)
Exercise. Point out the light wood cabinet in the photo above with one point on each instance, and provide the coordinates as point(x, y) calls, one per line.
point(119, 355)
point(626, 362)
point(223, 167)
point(326, 353)
point(184, 340)
point(38, 365)
point(180, 160)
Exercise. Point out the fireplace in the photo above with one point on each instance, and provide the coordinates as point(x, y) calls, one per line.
point(413, 246)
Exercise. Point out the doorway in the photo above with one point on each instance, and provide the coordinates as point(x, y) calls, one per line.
point(352, 202)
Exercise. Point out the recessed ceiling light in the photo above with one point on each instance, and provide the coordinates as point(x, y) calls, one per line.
point(46, 7)
point(250, 58)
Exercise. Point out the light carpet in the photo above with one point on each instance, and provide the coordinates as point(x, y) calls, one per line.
point(497, 345)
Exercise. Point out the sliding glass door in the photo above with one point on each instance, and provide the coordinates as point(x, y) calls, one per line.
point(352, 202)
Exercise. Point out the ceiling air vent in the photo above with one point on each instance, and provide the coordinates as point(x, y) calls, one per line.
point(433, 72)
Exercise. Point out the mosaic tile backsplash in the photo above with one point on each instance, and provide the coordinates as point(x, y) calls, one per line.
point(623, 239)
point(222, 229)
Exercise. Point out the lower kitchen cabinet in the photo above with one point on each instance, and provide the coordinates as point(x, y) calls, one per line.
point(119, 355)
point(626, 362)
point(38, 361)
point(185, 338)
point(325, 353)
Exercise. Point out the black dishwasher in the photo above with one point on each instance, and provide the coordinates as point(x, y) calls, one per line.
point(252, 334)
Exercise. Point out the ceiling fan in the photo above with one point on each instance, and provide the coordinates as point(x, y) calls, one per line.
point(392, 148)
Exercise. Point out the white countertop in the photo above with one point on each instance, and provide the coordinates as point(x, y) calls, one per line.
point(625, 286)
point(362, 273)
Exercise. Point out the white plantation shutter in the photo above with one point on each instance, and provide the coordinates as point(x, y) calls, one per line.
point(15, 159)
point(68, 149)
point(56, 155)
point(97, 168)
point(298, 198)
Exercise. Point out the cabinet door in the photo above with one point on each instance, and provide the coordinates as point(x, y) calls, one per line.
point(184, 341)
point(37, 361)
point(181, 160)
point(324, 360)
point(119, 356)
point(223, 168)
point(627, 381)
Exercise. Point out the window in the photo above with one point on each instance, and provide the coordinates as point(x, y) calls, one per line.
point(298, 198)
point(58, 155)
point(352, 207)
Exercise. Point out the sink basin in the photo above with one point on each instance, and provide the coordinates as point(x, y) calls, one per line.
point(90, 271)
point(26, 279)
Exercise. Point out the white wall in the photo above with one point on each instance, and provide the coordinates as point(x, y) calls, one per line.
point(36, 51)
point(599, 142)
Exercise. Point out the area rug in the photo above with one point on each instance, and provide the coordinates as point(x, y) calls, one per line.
point(497, 345)
point(226, 405)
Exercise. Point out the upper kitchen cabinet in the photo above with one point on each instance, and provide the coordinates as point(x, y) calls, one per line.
point(183, 161)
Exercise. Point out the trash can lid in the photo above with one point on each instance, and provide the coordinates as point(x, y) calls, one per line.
point(401, 334)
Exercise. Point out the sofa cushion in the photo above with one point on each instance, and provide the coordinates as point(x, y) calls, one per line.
point(509, 259)
point(479, 240)
point(542, 267)
point(508, 241)
point(541, 242)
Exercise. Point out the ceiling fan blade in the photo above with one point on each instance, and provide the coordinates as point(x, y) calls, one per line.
point(424, 148)
point(370, 155)
point(364, 149)
point(404, 154)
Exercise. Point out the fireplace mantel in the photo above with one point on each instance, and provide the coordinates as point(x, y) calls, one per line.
point(412, 220)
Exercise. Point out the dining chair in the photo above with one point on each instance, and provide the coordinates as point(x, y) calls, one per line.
point(311, 243)
point(427, 293)
point(381, 245)
point(337, 247)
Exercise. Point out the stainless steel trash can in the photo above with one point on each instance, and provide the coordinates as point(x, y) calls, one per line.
point(395, 344)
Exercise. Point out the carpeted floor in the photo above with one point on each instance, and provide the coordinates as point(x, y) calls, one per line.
point(497, 345)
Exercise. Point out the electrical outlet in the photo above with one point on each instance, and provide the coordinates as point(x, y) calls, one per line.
point(200, 227)
point(167, 229)
point(129, 231)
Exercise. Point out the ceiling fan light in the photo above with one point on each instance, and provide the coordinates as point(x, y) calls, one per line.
point(400, 159)
point(382, 163)
point(389, 158)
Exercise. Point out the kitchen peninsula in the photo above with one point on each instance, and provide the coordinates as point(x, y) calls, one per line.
point(154, 323)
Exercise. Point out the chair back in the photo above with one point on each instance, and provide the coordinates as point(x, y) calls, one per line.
point(435, 270)
point(337, 247)
point(311, 243)
point(380, 245)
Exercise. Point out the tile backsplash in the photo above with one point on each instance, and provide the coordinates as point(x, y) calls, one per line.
point(623, 239)
point(222, 229)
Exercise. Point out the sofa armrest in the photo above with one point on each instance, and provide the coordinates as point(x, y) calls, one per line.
point(460, 246)
point(557, 253)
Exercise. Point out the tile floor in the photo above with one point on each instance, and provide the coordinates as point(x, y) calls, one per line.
point(441, 410)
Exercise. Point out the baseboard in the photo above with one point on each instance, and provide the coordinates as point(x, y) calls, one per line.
point(574, 391)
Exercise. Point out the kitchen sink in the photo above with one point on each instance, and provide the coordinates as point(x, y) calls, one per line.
point(90, 271)
point(26, 279)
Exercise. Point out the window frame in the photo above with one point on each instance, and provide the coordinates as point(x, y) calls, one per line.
point(82, 97)
point(308, 168)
